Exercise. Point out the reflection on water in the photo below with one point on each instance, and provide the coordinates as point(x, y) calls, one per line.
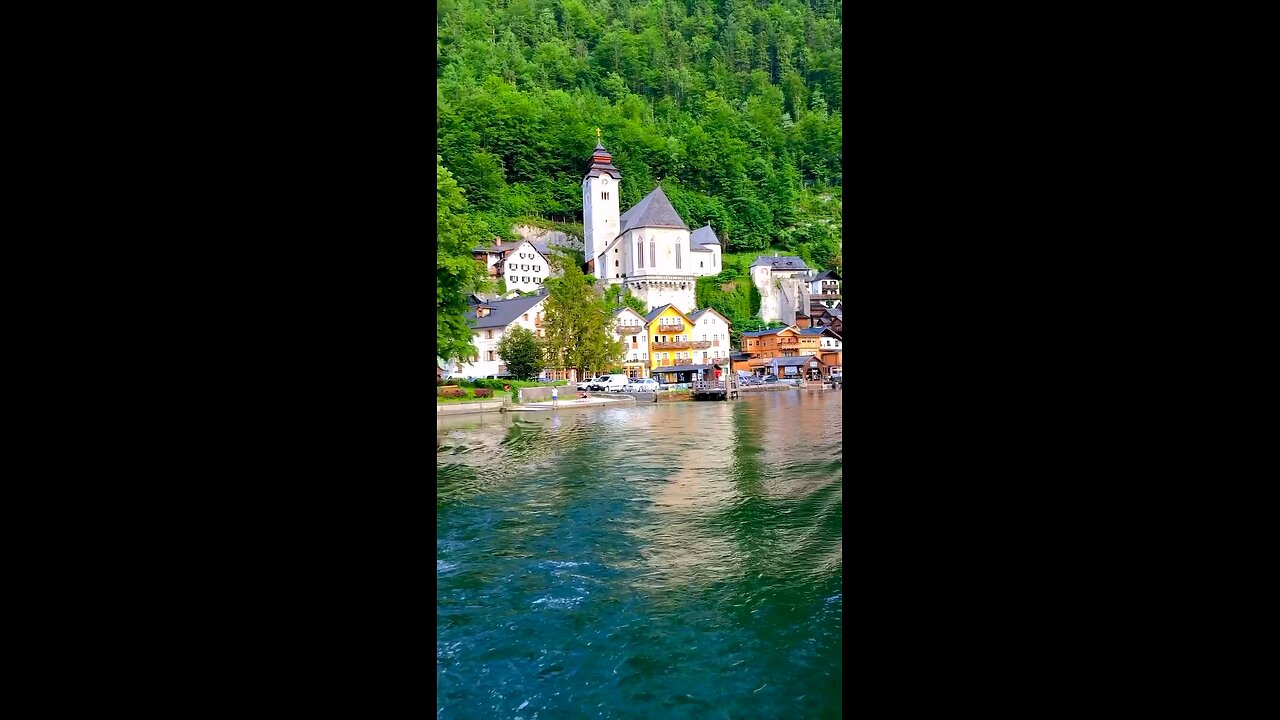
point(657, 560)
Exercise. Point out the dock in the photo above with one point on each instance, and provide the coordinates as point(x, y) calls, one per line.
point(714, 390)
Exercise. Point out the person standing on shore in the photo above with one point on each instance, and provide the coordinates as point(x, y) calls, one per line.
point(555, 396)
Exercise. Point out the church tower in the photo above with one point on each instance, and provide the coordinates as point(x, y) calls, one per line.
point(599, 205)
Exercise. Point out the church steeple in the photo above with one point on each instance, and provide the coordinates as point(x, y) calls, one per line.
point(599, 205)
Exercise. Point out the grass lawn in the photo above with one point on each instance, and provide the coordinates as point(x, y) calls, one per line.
point(470, 398)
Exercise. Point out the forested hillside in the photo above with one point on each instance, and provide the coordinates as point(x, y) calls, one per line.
point(735, 106)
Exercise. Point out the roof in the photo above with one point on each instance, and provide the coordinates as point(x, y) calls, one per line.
point(654, 210)
point(696, 314)
point(701, 248)
point(703, 236)
point(758, 333)
point(602, 163)
point(654, 313)
point(785, 262)
point(683, 368)
point(540, 246)
point(814, 331)
point(798, 361)
point(826, 275)
point(836, 311)
point(504, 312)
point(481, 298)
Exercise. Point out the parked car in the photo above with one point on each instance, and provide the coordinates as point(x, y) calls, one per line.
point(616, 382)
point(643, 385)
point(770, 378)
point(586, 384)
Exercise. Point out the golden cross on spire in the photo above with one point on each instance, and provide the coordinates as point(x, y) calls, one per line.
point(597, 136)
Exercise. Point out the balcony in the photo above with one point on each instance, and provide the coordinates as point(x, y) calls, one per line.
point(629, 329)
point(701, 344)
point(675, 327)
point(673, 345)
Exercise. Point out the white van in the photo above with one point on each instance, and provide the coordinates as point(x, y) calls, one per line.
point(616, 382)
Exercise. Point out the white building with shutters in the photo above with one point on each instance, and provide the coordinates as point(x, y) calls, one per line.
point(710, 337)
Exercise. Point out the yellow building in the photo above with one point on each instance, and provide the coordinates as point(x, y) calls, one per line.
point(672, 347)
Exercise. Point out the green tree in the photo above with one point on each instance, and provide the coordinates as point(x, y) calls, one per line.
point(619, 296)
point(457, 272)
point(578, 323)
point(520, 349)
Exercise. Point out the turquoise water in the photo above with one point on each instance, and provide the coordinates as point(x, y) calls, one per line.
point(674, 560)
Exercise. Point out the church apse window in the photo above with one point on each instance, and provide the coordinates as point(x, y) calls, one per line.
point(640, 251)
point(677, 255)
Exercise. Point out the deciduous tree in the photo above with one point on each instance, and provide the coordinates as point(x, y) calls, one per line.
point(520, 349)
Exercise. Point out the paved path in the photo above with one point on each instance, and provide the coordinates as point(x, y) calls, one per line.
point(571, 403)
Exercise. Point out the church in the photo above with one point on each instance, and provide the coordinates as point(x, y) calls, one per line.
point(649, 248)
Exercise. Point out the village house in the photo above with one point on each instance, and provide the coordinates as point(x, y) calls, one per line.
point(629, 328)
point(672, 344)
point(711, 336)
point(490, 321)
point(523, 265)
point(777, 349)
point(830, 348)
point(669, 332)
point(826, 282)
point(782, 281)
point(829, 318)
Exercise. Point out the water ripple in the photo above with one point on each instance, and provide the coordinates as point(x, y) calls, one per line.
point(667, 560)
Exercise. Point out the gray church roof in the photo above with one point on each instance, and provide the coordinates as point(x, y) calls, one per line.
point(786, 262)
point(503, 313)
point(703, 236)
point(653, 211)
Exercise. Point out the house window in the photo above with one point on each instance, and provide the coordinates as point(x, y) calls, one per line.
point(615, 251)
point(488, 334)
point(537, 268)
point(511, 267)
point(538, 280)
point(526, 317)
point(489, 356)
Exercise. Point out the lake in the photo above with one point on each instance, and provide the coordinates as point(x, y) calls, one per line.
point(668, 560)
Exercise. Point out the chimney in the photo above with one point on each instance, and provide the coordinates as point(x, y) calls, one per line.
point(497, 241)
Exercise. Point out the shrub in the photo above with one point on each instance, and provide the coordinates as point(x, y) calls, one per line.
point(483, 392)
point(452, 392)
